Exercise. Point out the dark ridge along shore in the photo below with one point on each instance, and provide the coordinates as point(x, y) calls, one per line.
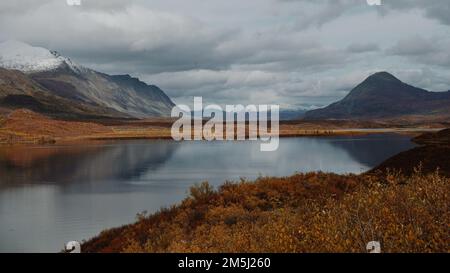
point(432, 154)
point(402, 203)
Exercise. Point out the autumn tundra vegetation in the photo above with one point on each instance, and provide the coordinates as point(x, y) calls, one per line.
point(313, 212)
point(403, 203)
point(405, 209)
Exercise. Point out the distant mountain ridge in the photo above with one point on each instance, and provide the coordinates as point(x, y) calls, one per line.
point(18, 90)
point(382, 95)
point(31, 73)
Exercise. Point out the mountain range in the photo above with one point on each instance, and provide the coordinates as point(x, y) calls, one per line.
point(46, 82)
point(383, 96)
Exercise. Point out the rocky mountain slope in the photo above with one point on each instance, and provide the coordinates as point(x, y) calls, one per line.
point(45, 81)
point(383, 96)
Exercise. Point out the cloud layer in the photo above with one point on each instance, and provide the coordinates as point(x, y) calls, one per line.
point(289, 52)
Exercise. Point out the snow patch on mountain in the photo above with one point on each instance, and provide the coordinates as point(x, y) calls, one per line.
point(29, 59)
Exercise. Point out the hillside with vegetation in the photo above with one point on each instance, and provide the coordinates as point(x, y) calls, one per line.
point(405, 208)
point(314, 212)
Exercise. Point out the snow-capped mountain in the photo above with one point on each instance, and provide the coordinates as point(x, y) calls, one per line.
point(61, 78)
point(30, 59)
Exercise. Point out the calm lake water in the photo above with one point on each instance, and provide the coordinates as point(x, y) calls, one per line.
point(53, 194)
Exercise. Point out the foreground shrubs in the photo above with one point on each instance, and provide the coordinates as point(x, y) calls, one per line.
point(313, 212)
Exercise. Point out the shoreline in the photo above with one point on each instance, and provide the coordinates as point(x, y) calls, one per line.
point(331, 133)
point(306, 212)
point(310, 185)
point(24, 127)
point(128, 135)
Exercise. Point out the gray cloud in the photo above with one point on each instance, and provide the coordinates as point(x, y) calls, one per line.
point(266, 51)
point(435, 9)
point(432, 51)
point(316, 13)
point(362, 48)
point(414, 46)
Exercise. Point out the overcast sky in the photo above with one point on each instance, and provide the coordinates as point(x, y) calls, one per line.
point(296, 53)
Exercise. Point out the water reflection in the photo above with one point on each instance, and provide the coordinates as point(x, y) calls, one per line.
point(50, 195)
point(370, 150)
point(94, 163)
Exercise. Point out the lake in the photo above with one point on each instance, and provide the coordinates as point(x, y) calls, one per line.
point(53, 194)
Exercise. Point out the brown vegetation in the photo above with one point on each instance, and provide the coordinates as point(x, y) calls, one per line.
point(313, 212)
point(25, 126)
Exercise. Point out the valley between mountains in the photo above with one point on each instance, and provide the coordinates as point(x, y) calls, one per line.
point(47, 99)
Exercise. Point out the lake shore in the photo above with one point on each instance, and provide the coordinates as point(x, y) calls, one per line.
point(26, 127)
point(36, 165)
point(312, 212)
point(402, 205)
